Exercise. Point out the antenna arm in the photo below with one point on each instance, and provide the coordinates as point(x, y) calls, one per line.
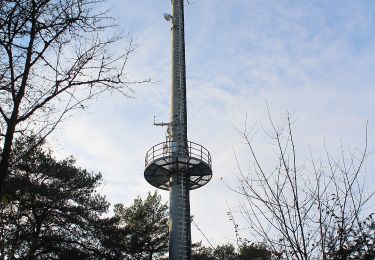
point(161, 124)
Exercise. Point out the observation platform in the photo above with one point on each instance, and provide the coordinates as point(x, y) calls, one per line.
point(161, 162)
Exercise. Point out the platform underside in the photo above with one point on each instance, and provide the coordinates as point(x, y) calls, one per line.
point(158, 172)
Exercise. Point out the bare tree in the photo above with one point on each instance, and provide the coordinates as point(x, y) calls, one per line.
point(309, 210)
point(54, 57)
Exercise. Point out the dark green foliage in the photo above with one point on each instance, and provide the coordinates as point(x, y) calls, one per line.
point(358, 242)
point(229, 252)
point(54, 211)
point(225, 252)
point(255, 252)
point(146, 225)
point(200, 252)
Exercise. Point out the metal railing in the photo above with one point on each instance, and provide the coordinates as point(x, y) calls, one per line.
point(165, 149)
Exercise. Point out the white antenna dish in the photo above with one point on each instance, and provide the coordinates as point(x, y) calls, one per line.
point(168, 17)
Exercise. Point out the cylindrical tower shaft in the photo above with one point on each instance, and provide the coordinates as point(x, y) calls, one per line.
point(178, 86)
point(179, 231)
point(177, 164)
point(179, 211)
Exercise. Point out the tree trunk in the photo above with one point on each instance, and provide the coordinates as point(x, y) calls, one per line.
point(5, 155)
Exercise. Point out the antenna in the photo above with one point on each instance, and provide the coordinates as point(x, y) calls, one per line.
point(178, 165)
point(160, 124)
point(168, 17)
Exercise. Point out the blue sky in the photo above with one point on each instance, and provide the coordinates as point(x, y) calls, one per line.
point(315, 59)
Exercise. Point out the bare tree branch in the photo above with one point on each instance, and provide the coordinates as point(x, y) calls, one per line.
point(305, 211)
point(54, 58)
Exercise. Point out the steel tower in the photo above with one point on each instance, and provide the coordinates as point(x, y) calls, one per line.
point(177, 164)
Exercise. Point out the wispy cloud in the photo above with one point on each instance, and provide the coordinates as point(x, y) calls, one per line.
point(313, 58)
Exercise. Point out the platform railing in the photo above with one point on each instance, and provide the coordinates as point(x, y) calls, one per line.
point(165, 149)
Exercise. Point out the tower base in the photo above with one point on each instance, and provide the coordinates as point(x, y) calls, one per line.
point(179, 212)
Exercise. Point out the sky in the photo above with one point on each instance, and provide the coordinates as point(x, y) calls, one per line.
point(314, 59)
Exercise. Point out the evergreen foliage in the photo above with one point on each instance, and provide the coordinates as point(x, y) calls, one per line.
point(146, 225)
point(54, 211)
point(228, 251)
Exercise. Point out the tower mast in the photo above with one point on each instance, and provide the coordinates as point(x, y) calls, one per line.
point(177, 164)
point(179, 197)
